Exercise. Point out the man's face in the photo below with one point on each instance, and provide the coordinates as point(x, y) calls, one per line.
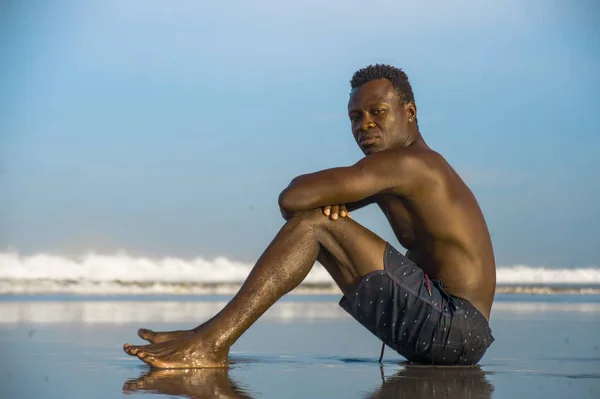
point(379, 119)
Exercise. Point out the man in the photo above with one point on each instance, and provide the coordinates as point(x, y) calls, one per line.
point(399, 299)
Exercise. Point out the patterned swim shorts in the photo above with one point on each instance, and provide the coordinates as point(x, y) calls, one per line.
point(416, 317)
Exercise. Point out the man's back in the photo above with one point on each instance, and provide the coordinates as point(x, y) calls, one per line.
point(443, 228)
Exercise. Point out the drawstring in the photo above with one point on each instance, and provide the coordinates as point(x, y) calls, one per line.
point(428, 284)
point(382, 348)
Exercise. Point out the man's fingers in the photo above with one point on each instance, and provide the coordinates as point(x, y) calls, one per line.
point(335, 210)
point(343, 211)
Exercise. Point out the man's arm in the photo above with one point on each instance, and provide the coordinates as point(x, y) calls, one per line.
point(397, 171)
point(353, 206)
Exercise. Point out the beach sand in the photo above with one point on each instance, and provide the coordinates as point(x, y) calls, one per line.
point(304, 347)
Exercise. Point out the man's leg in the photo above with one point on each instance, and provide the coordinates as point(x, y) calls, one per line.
point(156, 337)
point(283, 266)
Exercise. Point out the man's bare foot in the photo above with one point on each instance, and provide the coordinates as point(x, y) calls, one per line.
point(156, 337)
point(196, 351)
point(205, 383)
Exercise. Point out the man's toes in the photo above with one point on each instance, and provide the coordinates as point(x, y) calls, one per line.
point(127, 349)
point(131, 349)
point(146, 334)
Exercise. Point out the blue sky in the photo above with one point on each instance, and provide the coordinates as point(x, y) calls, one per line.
point(169, 128)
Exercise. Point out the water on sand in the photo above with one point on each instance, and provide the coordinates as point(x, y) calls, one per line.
point(304, 347)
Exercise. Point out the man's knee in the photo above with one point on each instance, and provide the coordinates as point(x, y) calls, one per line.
point(316, 221)
point(308, 219)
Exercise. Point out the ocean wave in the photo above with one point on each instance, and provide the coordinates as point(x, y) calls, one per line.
point(123, 274)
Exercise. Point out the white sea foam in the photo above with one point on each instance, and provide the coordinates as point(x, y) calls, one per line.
point(121, 273)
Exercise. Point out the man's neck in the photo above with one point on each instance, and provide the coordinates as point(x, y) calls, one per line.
point(416, 141)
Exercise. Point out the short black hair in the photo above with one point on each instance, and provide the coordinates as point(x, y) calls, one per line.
point(380, 71)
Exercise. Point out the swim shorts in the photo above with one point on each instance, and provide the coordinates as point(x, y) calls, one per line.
point(415, 316)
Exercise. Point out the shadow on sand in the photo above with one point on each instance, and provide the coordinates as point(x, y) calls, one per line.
point(409, 382)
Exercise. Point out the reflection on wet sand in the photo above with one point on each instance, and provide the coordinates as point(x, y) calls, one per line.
point(410, 382)
point(435, 382)
point(190, 311)
point(190, 383)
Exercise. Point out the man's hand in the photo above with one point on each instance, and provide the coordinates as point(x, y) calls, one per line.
point(287, 215)
point(333, 211)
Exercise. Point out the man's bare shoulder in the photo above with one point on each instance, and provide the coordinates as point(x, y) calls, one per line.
point(410, 156)
point(420, 165)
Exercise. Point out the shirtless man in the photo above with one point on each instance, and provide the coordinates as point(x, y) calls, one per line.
point(400, 299)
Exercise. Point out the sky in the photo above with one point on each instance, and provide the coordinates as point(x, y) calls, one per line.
point(164, 128)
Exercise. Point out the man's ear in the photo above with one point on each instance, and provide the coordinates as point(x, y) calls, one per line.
point(411, 110)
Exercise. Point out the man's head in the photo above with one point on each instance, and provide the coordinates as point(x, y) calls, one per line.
point(382, 109)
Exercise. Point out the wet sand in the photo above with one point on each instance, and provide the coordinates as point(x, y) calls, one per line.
point(304, 347)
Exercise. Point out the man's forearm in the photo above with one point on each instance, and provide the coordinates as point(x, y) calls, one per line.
point(315, 190)
point(369, 177)
point(353, 206)
point(350, 207)
point(288, 211)
point(287, 214)
point(294, 198)
point(290, 208)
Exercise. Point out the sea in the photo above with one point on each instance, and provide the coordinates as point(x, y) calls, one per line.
point(122, 274)
point(63, 323)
